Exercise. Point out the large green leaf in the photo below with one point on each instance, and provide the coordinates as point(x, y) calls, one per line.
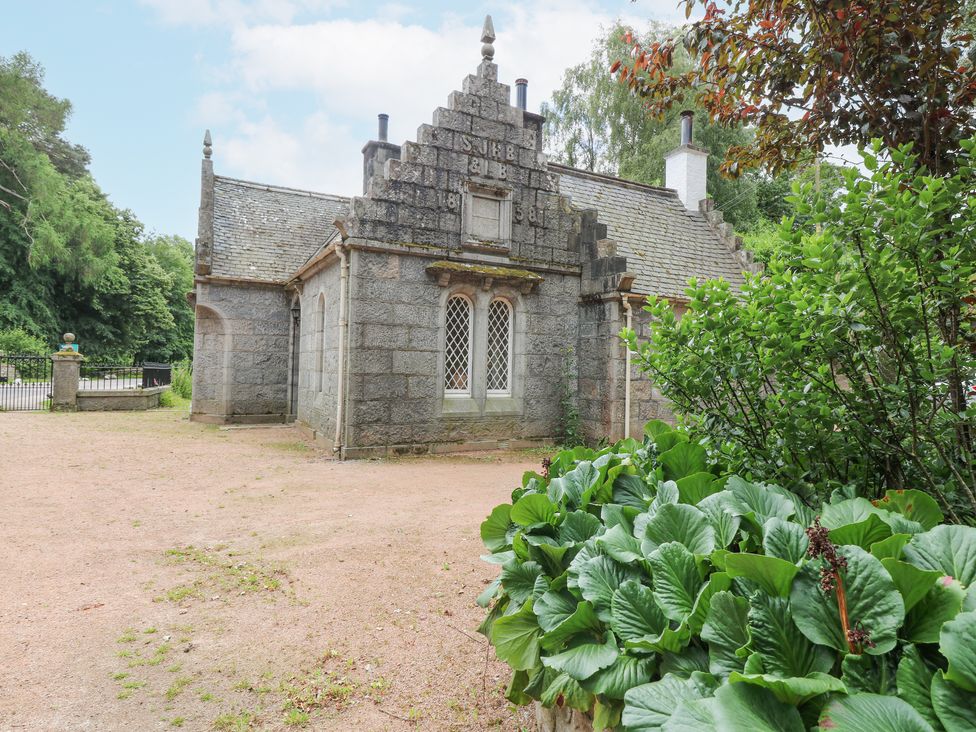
point(794, 690)
point(583, 620)
point(574, 488)
point(692, 716)
point(913, 583)
point(848, 511)
point(515, 692)
point(624, 673)
point(494, 529)
point(784, 650)
point(773, 575)
point(954, 707)
point(958, 645)
point(681, 523)
point(758, 504)
point(890, 548)
point(682, 460)
point(913, 505)
point(518, 579)
point(577, 527)
point(873, 674)
point(872, 713)
point(533, 509)
point(873, 603)
point(598, 579)
point(553, 608)
point(676, 580)
point(719, 508)
point(741, 707)
point(620, 544)
point(648, 707)
point(726, 631)
point(862, 533)
point(941, 603)
point(785, 540)
point(717, 582)
point(630, 490)
point(634, 613)
point(516, 638)
point(685, 662)
point(914, 680)
point(566, 691)
point(950, 549)
point(583, 660)
point(692, 488)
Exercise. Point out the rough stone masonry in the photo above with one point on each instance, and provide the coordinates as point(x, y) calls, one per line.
point(457, 300)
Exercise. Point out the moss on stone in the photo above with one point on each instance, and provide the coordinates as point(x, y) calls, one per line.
point(485, 270)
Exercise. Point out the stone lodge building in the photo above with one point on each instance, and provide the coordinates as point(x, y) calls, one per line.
point(449, 304)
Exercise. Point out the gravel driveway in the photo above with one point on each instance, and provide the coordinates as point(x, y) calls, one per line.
point(160, 574)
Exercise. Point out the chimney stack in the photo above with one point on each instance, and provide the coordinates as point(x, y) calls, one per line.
point(377, 152)
point(521, 93)
point(686, 167)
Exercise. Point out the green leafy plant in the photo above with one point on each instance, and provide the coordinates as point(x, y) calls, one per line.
point(645, 585)
point(570, 426)
point(182, 379)
point(848, 363)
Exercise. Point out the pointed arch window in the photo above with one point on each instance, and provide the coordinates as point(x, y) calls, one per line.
point(457, 346)
point(499, 354)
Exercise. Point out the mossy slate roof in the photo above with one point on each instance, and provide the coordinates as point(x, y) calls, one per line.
point(665, 244)
point(266, 232)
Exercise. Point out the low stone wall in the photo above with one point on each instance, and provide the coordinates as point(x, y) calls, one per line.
point(119, 400)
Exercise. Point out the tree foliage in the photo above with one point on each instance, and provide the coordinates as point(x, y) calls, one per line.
point(69, 259)
point(845, 364)
point(810, 73)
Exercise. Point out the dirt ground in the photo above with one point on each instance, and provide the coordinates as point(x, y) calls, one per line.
point(158, 574)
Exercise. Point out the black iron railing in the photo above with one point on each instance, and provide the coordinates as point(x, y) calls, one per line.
point(25, 382)
point(101, 376)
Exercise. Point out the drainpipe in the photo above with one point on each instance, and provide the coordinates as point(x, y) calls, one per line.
point(626, 303)
point(343, 336)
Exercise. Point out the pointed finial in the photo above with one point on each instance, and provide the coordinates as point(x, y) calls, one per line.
point(207, 145)
point(487, 38)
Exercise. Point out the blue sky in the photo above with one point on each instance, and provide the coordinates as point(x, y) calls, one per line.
point(289, 88)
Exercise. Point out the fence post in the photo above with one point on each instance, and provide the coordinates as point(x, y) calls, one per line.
point(66, 368)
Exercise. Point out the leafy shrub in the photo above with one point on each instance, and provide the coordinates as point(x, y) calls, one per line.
point(846, 362)
point(182, 379)
point(647, 587)
point(20, 342)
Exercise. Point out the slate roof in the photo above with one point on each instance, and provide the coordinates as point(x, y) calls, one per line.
point(267, 232)
point(665, 244)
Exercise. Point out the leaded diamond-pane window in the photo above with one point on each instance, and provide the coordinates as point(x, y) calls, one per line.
point(499, 347)
point(457, 347)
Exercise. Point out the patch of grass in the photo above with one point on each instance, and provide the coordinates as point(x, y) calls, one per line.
point(296, 718)
point(230, 722)
point(171, 400)
point(175, 668)
point(177, 687)
point(206, 696)
point(128, 636)
point(150, 631)
point(296, 446)
point(119, 676)
point(177, 721)
point(224, 570)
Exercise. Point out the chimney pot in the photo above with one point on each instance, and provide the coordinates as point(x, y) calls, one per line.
point(687, 120)
point(384, 127)
point(521, 93)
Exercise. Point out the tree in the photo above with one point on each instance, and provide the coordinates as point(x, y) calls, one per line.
point(811, 73)
point(835, 368)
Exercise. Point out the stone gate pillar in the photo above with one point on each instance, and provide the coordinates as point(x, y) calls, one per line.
point(66, 368)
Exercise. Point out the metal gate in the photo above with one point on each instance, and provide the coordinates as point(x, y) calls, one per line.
point(25, 382)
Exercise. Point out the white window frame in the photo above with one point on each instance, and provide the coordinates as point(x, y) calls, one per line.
point(466, 392)
point(507, 392)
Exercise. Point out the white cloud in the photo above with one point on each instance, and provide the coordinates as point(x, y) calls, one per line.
point(349, 70)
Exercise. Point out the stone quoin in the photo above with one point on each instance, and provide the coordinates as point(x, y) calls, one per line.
point(446, 306)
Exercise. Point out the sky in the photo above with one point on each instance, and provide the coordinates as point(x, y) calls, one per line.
point(290, 89)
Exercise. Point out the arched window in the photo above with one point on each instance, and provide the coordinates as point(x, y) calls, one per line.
point(499, 348)
point(320, 343)
point(457, 347)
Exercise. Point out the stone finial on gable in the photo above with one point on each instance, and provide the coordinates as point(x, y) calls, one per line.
point(207, 145)
point(488, 38)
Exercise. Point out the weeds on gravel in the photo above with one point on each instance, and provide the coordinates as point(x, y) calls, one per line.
point(224, 572)
point(235, 722)
point(177, 687)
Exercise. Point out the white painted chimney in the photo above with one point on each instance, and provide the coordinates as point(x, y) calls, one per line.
point(686, 166)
